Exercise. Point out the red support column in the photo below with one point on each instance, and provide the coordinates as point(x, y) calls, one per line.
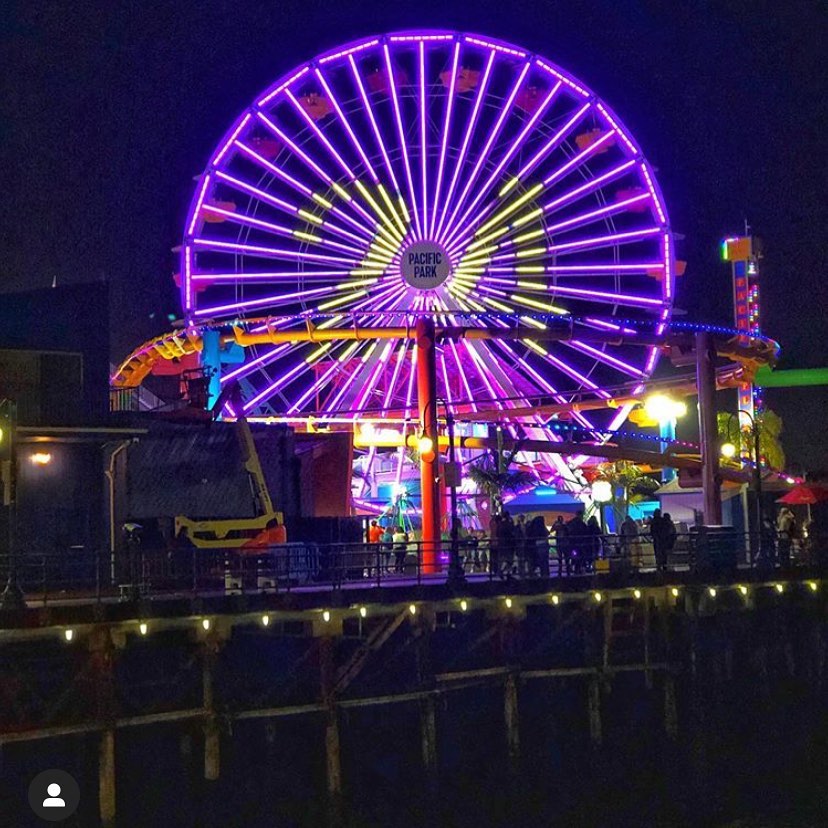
point(429, 461)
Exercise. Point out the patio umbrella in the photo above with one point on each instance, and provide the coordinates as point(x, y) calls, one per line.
point(804, 495)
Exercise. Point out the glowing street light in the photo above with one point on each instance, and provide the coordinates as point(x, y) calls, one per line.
point(664, 409)
point(728, 451)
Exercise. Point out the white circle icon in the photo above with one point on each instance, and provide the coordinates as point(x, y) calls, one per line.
point(425, 265)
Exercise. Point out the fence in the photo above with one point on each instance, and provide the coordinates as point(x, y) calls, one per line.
point(84, 575)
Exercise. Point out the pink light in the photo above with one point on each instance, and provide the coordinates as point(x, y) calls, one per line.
point(349, 52)
point(320, 135)
point(278, 89)
point(279, 299)
point(240, 218)
point(483, 156)
point(187, 254)
point(481, 91)
point(371, 384)
point(602, 356)
point(419, 38)
point(651, 187)
point(273, 252)
point(593, 214)
point(295, 148)
point(668, 267)
point(564, 78)
point(281, 382)
point(346, 124)
point(603, 241)
point(373, 120)
point(238, 184)
point(446, 126)
point(606, 296)
point(616, 126)
point(579, 158)
point(249, 367)
point(594, 184)
point(396, 103)
point(516, 144)
point(228, 143)
point(553, 142)
point(496, 46)
point(266, 276)
point(205, 182)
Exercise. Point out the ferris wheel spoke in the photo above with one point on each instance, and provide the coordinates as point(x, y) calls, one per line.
point(611, 239)
point(401, 133)
point(374, 126)
point(282, 231)
point(483, 156)
point(264, 252)
point(325, 177)
point(261, 361)
point(494, 177)
point(455, 63)
point(294, 210)
point(481, 93)
point(374, 377)
point(605, 358)
point(522, 175)
point(348, 128)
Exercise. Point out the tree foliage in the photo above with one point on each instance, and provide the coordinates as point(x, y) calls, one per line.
point(493, 474)
point(629, 484)
point(770, 431)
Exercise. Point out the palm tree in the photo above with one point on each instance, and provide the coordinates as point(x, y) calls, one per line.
point(492, 475)
point(629, 484)
point(770, 429)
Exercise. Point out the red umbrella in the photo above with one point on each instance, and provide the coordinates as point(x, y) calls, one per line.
point(805, 494)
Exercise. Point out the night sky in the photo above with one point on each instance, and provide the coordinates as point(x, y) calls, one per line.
point(109, 109)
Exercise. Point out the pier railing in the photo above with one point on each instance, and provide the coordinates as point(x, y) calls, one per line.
point(80, 574)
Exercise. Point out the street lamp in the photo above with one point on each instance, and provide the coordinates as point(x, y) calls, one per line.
point(601, 494)
point(664, 410)
point(728, 450)
point(455, 569)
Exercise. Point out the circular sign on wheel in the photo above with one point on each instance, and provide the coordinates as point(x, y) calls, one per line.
point(425, 265)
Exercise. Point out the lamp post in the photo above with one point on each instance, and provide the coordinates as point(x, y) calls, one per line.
point(729, 450)
point(455, 574)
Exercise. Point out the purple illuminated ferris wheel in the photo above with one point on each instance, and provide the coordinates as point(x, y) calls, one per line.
point(429, 173)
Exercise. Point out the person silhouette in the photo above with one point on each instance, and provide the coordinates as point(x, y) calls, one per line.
point(53, 800)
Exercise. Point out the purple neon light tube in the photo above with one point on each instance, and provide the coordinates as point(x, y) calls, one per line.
point(260, 361)
point(481, 93)
point(602, 241)
point(273, 252)
point(516, 145)
point(506, 110)
point(401, 130)
point(369, 110)
point(588, 187)
point(351, 134)
point(446, 127)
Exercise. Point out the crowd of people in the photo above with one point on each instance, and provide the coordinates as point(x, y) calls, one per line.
point(525, 546)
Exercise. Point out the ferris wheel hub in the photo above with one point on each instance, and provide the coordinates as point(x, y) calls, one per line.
point(425, 265)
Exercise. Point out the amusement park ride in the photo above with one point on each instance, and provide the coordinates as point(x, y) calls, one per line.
point(431, 220)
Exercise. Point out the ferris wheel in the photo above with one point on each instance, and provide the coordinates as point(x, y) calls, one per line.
point(436, 173)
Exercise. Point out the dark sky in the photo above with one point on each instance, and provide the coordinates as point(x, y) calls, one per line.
point(108, 110)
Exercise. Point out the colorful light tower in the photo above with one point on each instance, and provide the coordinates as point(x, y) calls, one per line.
point(744, 253)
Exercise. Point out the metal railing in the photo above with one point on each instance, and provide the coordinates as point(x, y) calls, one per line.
point(84, 575)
